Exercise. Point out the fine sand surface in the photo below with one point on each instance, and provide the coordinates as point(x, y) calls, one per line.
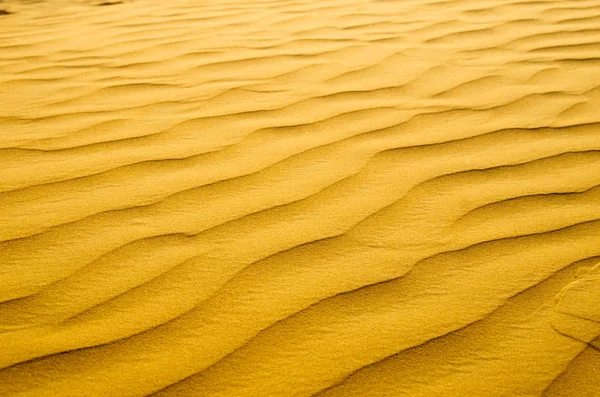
point(294, 198)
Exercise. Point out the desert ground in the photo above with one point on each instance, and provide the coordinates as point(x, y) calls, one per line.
point(300, 198)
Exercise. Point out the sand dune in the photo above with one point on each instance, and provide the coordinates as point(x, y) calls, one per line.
point(300, 198)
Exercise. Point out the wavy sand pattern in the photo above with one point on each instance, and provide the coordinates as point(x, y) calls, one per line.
point(251, 198)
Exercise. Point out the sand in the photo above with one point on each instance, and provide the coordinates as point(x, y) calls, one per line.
point(249, 198)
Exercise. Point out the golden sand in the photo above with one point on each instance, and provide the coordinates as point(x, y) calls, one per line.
point(294, 198)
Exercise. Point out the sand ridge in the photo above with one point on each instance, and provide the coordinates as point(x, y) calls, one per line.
point(300, 198)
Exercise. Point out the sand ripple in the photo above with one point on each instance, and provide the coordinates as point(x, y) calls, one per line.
point(300, 198)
